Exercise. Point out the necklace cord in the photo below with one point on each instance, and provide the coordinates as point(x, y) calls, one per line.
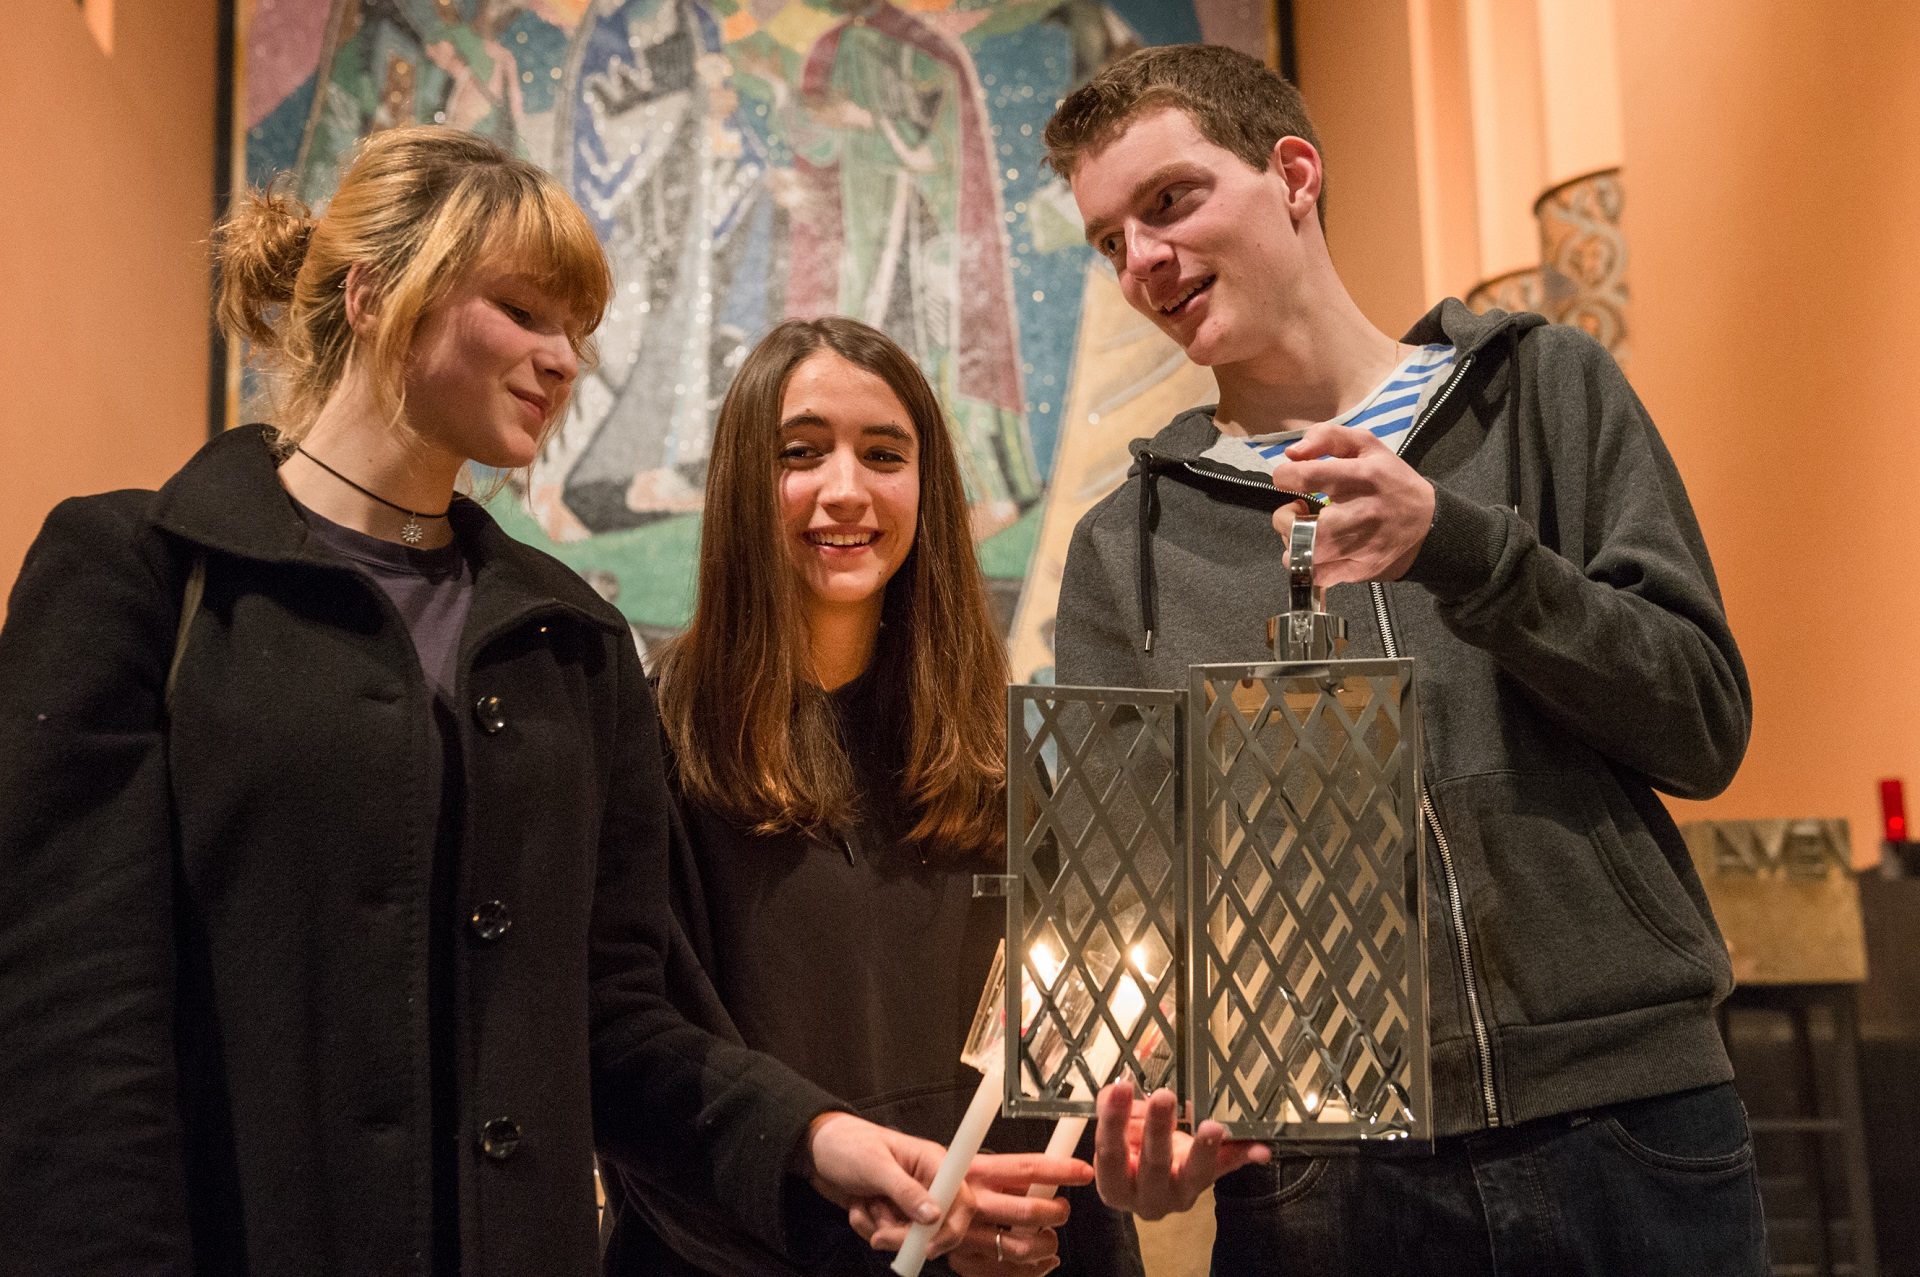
point(367, 492)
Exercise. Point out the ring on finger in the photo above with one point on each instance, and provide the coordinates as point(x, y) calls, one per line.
point(999, 1255)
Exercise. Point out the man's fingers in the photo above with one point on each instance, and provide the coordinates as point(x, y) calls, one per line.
point(1329, 440)
point(1283, 524)
point(1336, 478)
point(1200, 1167)
point(1112, 1162)
point(1234, 1154)
point(1155, 1172)
point(1212, 1155)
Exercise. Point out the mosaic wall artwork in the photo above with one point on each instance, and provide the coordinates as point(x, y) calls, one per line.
point(746, 160)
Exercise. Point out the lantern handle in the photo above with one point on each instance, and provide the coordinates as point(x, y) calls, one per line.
point(1306, 631)
point(1302, 594)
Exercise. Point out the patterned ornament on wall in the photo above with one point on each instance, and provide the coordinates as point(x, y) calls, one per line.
point(1583, 257)
point(1515, 290)
point(1582, 276)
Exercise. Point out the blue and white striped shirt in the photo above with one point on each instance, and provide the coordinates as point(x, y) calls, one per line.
point(1388, 411)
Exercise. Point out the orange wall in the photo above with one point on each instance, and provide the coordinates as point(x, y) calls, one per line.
point(1356, 74)
point(1772, 191)
point(1448, 170)
point(104, 204)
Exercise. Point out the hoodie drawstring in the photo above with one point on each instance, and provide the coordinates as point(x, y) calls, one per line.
point(1149, 516)
point(1514, 385)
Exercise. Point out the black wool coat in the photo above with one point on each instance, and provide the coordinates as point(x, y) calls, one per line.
point(214, 914)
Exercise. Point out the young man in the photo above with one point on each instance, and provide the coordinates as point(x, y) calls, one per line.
point(1523, 533)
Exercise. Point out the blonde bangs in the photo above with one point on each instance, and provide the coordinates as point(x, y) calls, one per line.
point(550, 241)
point(519, 220)
point(515, 218)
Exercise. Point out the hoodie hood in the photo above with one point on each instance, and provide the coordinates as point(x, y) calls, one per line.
point(1180, 443)
point(1468, 331)
point(1182, 440)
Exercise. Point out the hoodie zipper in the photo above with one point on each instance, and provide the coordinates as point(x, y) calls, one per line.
point(1226, 478)
point(1146, 456)
point(1482, 1041)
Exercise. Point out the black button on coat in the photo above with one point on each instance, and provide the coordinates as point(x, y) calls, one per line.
point(214, 1036)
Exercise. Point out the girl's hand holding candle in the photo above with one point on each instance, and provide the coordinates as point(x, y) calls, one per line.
point(953, 1168)
point(1007, 1226)
point(985, 1050)
point(861, 1165)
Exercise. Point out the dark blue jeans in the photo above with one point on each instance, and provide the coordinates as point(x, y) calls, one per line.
point(1653, 1188)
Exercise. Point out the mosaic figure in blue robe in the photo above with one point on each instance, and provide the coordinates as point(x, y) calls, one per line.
point(652, 144)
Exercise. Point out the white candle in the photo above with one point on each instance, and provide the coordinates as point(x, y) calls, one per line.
point(953, 1167)
point(1065, 1138)
point(1103, 1057)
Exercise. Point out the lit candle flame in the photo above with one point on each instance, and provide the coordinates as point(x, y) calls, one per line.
point(1046, 962)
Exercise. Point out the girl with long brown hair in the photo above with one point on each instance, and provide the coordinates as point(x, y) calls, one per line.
point(333, 838)
point(836, 720)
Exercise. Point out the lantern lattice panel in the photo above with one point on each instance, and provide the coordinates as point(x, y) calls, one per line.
point(1307, 946)
point(1092, 799)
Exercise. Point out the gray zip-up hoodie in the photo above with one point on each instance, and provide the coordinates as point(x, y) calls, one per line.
point(1573, 658)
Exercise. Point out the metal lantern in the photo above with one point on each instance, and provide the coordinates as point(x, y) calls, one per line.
point(1222, 890)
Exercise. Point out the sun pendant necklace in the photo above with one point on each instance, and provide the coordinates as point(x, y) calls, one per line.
point(411, 532)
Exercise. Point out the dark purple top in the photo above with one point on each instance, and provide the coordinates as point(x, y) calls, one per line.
point(432, 589)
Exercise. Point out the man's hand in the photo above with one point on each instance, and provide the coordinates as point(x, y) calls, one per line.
point(1011, 1234)
point(1379, 513)
point(870, 1168)
point(1144, 1165)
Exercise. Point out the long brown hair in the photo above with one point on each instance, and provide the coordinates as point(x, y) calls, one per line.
point(754, 735)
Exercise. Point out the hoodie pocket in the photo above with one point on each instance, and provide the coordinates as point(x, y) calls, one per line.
point(1572, 908)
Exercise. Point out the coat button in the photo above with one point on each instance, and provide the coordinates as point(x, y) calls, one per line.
point(500, 1138)
point(490, 714)
point(491, 919)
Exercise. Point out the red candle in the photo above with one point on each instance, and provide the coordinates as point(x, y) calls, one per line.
point(1893, 810)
